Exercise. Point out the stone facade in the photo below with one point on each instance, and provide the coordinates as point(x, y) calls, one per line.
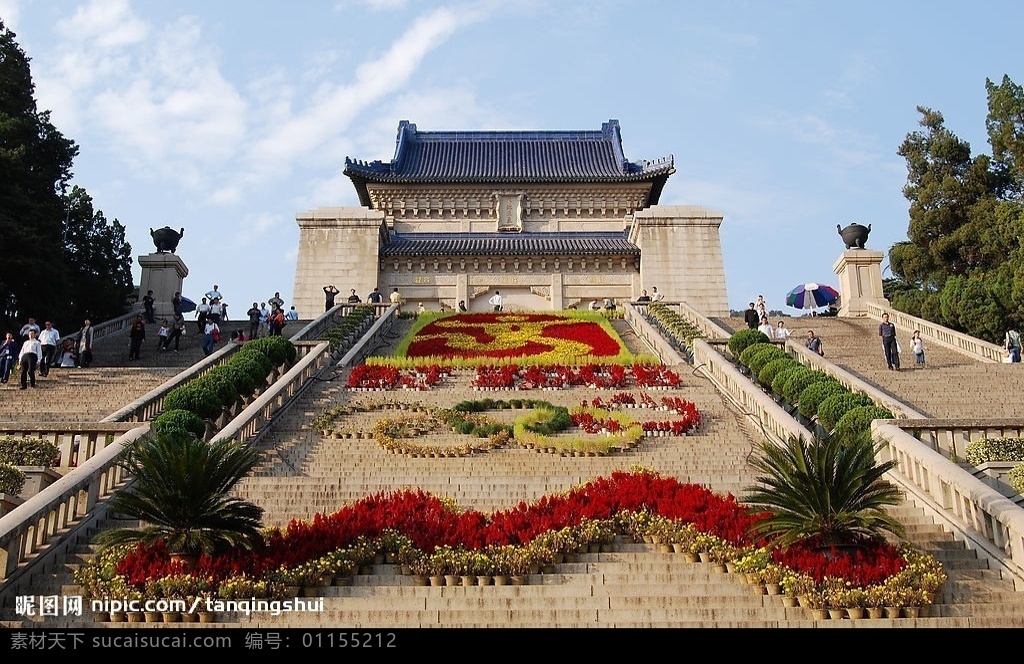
point(458, 224)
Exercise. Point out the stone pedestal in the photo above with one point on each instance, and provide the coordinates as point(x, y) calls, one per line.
point(860, 281)
point(162, 273)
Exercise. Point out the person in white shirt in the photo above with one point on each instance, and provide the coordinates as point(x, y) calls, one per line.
point(202, 313)
point(162, 335)
point(28, 327)
point(48, 338)
point(29, 355)
point(656, 296)
point(496, 301)
point(214, 294)
point(276, 302)
point(781, 331)
point(766, 328)
point(264, 319)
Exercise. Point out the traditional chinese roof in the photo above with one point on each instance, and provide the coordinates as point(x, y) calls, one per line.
point(510, 244)
point(506, 157)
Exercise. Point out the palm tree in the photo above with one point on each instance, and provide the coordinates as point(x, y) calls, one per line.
point(827, 493)
point(180, 493)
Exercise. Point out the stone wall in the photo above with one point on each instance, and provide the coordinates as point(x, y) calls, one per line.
point(681, 255)
point(337, 245)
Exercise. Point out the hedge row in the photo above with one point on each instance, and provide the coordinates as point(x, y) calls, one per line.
point(205, 397)
point(815, 393)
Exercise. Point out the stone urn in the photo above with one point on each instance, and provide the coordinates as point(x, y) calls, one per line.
point(855, 235)
point(166, 238)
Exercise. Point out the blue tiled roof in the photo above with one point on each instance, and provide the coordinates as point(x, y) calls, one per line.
point(484, 157)
point(510, 244)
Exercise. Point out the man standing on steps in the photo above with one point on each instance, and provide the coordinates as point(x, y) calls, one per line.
point(751, 317)
point(27, 358)
point(48, 338)
point(148, 302)
point(1012, 343)
point(255, 316)
point(890, 347)
point(813, 343)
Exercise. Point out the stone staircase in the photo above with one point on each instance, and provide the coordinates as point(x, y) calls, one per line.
point(634, 585)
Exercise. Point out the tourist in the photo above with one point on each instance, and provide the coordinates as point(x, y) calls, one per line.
point(396, 299)
point(211, 335)
point(890, 347)
point(762, 308)
point(177, 331)
point(214, 294)
point(85, 345)
point(330, 291)
point(462, 305)
point(766, 328)
point(30, 326)
point(176, 303)
point(353, 298)
point(68, 356)
point(255, 317)
point(813, 343)
point(781, 331)
point(147, 304)
point(49, 337)
point(656, 296)
point(292, 314)
point(496, 301)
point(162, 335)
point(276, 302)
point(276, 322)
point(595, 305)
point(375, 297)
point(202, 313)
point(917, 346)
point(216, 311)
point(28, 356)
point(751, 317)
point(264, 320)
point(136, 335)
point(1011, 342)
point(644, 297)
point(609, 304)
point(8, 351)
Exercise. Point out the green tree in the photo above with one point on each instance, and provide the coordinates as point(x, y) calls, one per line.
point(35, 165)
point(62, 260)
point(181, 494)
point(825, 492)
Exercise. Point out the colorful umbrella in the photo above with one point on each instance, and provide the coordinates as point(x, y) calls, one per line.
point(811, 296)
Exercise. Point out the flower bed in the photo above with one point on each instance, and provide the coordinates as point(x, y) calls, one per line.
point(463, 339)
point(427, 533)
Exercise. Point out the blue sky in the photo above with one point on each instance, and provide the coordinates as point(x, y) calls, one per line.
point(230, 117)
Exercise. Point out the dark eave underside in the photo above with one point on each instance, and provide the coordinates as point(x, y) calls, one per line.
point(510, 244)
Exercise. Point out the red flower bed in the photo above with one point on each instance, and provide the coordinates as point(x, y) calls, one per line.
point(430, 523)
point(500, 335)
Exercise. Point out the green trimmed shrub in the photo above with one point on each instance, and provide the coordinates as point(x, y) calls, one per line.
point(739, 341)
point(278, 349)
point(1016, 477)
point(782, 378)
point(219, 382)
point(763, 357)
point(255, 363)
point(241, 378)
point(994, 449)
point(28, 452)
point(832, 409)
point(858, 420)
point(196, 398)
point(182, 421)
point(817, 392)
point(768, 372)
point(12, 480)
point(798, 383)
point(750, 350)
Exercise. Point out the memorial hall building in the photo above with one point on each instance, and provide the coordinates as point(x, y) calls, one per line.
point(551, 219)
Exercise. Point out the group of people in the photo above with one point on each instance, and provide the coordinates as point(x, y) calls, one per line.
point(37, 349)
point(756, 318)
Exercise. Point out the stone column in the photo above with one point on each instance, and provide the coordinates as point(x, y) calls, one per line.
point(860, 281)
point(162, 273)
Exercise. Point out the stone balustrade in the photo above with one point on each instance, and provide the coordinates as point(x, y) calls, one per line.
point(666, 353)
point(988, 520)
point(77, 441)
point(931, 332)
point(47, 519)
point(774, 420)
point(372, 338)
